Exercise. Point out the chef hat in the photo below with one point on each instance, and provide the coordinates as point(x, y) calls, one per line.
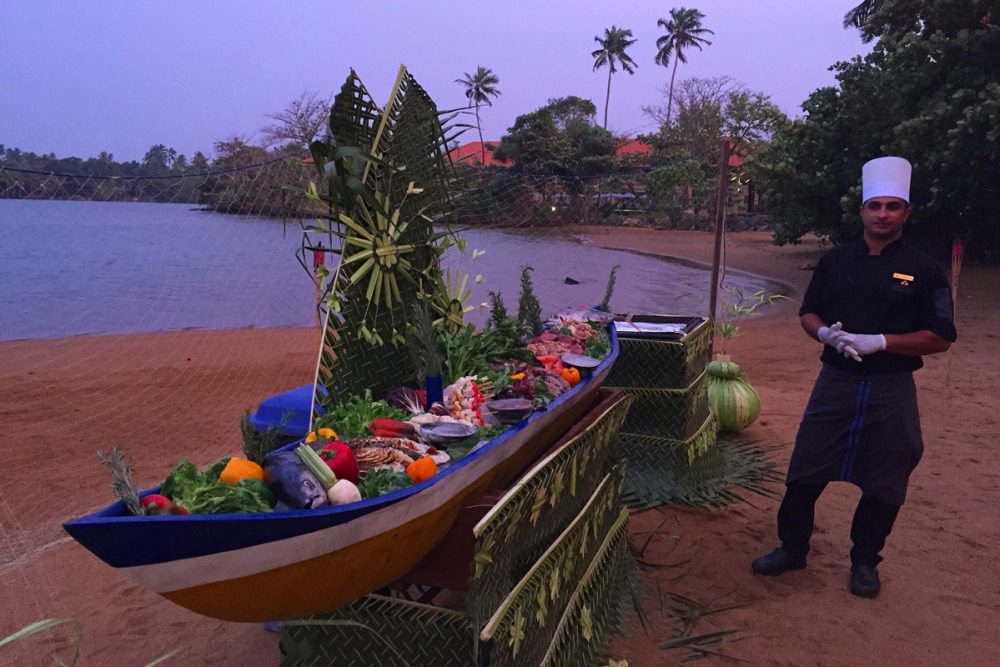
point(886, 177)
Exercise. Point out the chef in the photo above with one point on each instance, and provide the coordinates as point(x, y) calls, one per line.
point(877, 305)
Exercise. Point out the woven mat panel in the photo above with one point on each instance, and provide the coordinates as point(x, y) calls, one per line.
point(523, 627)
point(710, 480)
point(661, 364)
point(408, 134)
point(537, 509)
point(594, 612)
point(676, 414)
point(379, 630)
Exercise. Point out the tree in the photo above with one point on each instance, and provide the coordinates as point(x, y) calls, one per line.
point(683, 31)
point(298, 123)
point(928, 92)
point(156, 161)
point(559, 139)
point(709, 109)
point(612, 53)
point(479, 87)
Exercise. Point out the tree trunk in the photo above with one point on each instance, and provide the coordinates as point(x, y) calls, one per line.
point(482, 145)
point(670, 94)
point(607, 98)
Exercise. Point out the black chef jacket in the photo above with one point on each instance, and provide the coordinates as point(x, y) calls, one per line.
point(899, 291)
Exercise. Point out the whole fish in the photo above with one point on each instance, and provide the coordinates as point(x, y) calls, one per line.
point(292, 482)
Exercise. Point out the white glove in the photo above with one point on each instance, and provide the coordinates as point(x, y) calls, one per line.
point(859, 345)
point(830, 335)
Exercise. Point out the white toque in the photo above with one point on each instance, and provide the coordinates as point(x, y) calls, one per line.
point(886, 177)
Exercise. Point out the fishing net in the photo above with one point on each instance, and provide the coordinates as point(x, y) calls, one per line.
point(129, 295)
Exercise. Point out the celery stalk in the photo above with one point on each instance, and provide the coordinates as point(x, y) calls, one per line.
point(316, 466)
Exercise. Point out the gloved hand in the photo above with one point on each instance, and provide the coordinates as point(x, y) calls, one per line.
point(830, 335)
point(859, 345)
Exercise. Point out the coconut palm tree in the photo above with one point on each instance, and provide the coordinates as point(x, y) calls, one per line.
point(684, 30)
point(612, 52)
point(478, 89)
point(860, 16)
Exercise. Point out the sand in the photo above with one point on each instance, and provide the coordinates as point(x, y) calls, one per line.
point(173, 395)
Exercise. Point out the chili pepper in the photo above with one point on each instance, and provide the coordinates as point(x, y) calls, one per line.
point(385, 427)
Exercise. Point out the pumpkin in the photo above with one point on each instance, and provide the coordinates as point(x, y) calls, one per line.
point(734, 401)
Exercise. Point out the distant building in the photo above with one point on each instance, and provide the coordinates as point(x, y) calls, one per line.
point(472, 154)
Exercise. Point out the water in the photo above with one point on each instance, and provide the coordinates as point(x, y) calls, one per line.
point(73, 268)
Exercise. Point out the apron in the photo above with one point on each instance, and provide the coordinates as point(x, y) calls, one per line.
point(862, 429)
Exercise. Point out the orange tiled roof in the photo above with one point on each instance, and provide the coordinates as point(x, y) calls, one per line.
point(472, 153)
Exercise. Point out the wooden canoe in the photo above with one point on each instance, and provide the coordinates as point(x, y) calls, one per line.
point(283, 565)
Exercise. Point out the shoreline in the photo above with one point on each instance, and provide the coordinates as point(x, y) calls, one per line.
point(180, 394)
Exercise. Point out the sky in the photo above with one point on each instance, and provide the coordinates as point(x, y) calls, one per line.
point(79, 78)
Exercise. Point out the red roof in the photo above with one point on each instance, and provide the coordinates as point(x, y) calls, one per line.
point(633, 147)
point(472, 153)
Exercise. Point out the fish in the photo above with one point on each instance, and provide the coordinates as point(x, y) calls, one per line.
point(581, 315)
point(292, 482)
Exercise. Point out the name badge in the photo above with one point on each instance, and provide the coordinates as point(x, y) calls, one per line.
point(903, 278)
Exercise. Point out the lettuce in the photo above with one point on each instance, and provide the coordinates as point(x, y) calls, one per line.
point(202, 493)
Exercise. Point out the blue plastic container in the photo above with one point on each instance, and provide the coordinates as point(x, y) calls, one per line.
point(297, 402)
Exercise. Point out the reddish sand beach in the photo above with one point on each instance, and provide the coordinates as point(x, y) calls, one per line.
point(173, 395)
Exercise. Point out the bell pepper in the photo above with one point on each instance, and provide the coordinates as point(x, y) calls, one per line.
point(238, 469)
point(327, 433)
point(340, 459)
point(571, 374)
point(154, 504)
point(422, 469)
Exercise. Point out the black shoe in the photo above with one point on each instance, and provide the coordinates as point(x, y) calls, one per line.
point(777, 562)
point(864, 581)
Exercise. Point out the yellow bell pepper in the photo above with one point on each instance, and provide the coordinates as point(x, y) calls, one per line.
point(238, 469)
point(327, 433)
point(571, 375)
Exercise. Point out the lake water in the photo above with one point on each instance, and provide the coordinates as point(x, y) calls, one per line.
point(72, 268)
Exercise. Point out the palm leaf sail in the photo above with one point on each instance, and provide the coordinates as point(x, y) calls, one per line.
point(387, 179)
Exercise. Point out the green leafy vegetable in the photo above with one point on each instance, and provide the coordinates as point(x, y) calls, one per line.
point(381, 481)
point(470, 352)
point(599, 347)
point(203, 493)
point(350, 418)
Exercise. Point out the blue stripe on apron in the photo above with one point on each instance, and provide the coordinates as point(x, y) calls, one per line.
point(854, 437)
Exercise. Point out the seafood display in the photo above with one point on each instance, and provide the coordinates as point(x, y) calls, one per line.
point(235, 540)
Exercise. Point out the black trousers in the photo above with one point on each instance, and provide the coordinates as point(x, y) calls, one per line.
point(873, 520)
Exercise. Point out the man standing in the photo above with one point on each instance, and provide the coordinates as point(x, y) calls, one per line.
point(877, 305)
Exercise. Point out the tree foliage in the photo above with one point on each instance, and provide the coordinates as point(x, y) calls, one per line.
point(559, 139)
point(929, 92)
point(479, 88)
point(612, 55)
point(299, 123)
point(683, 31)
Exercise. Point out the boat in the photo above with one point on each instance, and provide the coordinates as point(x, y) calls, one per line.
point(290, 564)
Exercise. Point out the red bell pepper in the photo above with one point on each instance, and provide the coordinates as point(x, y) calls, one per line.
point(340, 459)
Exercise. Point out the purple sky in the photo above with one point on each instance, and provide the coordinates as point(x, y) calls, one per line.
point(81, 77)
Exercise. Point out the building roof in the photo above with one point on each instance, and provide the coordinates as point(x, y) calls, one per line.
point(472, 154)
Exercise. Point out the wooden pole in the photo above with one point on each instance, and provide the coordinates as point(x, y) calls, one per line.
point(720, 225)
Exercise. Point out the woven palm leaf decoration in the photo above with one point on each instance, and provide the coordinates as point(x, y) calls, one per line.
point(386, 177)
